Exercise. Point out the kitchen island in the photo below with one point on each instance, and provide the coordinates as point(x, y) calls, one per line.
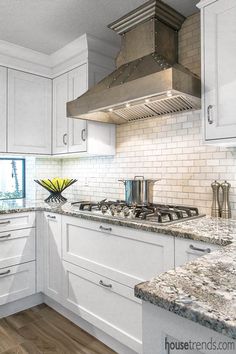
point(201, 292)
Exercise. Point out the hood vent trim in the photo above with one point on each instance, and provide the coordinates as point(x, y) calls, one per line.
point(148, 81)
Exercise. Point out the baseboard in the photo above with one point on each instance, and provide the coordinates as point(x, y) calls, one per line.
point(21, 305)
point(95, 332)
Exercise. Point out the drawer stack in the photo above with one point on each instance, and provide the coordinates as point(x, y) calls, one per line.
point(17, 256)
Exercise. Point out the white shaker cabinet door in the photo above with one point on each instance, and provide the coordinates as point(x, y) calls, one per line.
point(78, 84)
point(3, 108)
point(60, 121)
point(219, 51)
point(29, 113)
point(52, 256)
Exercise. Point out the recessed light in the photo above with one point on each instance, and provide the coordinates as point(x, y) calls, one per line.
point(127, 105)
point(147, 100)
point(110, 109)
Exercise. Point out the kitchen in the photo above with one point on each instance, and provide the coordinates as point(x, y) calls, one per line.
point(92, 279)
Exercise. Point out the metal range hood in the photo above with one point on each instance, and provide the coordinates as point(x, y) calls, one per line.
point(148, 81)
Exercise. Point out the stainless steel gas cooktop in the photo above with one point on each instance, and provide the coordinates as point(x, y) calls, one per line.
point(156, 213)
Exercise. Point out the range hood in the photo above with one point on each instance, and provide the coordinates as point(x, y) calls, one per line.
point(148, 80)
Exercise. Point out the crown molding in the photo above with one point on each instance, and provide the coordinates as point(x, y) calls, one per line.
point(75, 53)
point(204, 3)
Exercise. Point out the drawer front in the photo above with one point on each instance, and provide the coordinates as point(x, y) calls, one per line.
point(17, 247)
point(17, 282)
point(16, 221)
point(106, 304)
point(123, 254)
point(188, 250)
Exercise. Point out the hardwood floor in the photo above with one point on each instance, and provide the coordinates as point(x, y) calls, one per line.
point(41, 330)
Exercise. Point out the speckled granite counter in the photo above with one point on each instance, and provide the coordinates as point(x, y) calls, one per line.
point(203, 291)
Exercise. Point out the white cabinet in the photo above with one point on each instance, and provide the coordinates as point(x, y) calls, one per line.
point(104, 303)
point(123, 254)
point(76, 135)
point(3, 109)
point(60, 123)
point(77, 127)
point(219, 70)
point(189, 250)
point(29, 113)
point(17, 282)
point(52, 256)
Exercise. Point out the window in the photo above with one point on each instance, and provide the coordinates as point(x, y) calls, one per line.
point(12, 178)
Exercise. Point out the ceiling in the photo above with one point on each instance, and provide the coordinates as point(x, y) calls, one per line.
point(48, 25)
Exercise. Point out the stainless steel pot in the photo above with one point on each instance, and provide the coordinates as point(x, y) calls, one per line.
point(138, 190)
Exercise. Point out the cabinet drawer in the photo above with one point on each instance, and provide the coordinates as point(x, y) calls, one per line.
point(121, 253)
point(105, 303)
point(17, 282)
point(188, 250)
point(17, 247)
point(17, 221)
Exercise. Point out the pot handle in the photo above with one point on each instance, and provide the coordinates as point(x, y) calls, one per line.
point(121, 180)
point(135, 177)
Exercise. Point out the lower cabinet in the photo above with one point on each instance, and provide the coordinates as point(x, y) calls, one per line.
point(105, 303)
point(17, 282)
point(187, 250)
point(52, 256)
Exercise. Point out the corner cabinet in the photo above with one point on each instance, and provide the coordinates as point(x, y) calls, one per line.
point(76, 135)
point(218, 18)
point(29, 113)
point(3, 108)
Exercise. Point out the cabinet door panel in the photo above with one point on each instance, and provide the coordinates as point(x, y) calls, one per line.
point(60, 122)
point(78, 84)
point(3, 108)
point(29, 113)
point(53, 262)
point(220, 69)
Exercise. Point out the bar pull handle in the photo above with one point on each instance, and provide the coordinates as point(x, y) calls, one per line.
point(209, 115)
point(51, 216)
point(203, 250)
point(105, 285)
point(83, 134)
point(5, 273)
point(5, 236)
point(5, 222)
point(64, 139)
point(105, 228)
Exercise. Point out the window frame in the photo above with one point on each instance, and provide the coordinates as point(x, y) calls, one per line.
point(23, 176)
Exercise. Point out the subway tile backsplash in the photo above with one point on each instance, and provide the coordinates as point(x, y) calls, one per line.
point(168, 148)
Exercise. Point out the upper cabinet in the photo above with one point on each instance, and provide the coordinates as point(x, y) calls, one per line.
point(219, 70)
point(3, 108)
point(29, 113)
point(76, 135)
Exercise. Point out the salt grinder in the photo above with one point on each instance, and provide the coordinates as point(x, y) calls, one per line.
point(225, 207)
point(215, 209)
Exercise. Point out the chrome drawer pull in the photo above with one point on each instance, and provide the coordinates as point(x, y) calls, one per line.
point(51, 217)
point(64, 138)
point(83, 134)
point(204, 250)
point(209, 108)
point(5, 222)
point(105, 285)
point(105, 228)
point(5, 236)
point(5, 273)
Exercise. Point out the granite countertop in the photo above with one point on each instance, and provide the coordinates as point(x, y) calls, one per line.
point(203, 291)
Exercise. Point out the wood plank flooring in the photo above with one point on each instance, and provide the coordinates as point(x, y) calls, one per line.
point(41, 330)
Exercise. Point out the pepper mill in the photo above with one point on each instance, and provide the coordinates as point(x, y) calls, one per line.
point(225, 207)
point(215, 208)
